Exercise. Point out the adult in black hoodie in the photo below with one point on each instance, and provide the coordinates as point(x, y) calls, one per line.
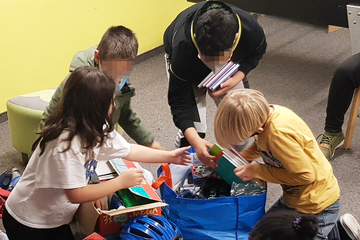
point(201, 39)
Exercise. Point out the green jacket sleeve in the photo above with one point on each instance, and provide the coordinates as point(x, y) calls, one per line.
point(53, 103)
point(129, 121)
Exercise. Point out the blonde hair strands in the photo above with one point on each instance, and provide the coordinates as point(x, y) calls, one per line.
point(239, 115)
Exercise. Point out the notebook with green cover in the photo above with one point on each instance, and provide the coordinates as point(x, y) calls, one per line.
point(227, 161)
point(137, 195)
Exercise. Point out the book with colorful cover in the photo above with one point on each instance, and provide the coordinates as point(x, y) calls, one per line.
point(137, 195)
point(105, 171)
point(219, 74)
point(227, 160)
point(213, 80)
point(229, 73)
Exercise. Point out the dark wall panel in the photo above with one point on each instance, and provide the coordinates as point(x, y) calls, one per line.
point(321, 12)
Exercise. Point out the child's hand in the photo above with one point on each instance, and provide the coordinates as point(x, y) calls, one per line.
point(245, 173)
point(203, 154)
point(100, 203)
point(180, 156)
point(130, 177)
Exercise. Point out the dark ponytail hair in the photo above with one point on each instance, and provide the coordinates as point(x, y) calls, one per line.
point(82, 111)
point(285, 225)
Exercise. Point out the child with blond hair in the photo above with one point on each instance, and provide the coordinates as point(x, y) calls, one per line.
point(291, 155)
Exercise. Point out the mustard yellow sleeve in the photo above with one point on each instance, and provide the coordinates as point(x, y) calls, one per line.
point(251, 153)
point(297, 159)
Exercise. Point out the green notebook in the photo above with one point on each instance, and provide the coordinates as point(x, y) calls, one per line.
point(227, 161)
point(130, 199)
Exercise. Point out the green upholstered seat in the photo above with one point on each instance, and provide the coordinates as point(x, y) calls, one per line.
point(24, 114)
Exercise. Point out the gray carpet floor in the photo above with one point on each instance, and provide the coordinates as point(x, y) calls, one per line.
point(295, 72)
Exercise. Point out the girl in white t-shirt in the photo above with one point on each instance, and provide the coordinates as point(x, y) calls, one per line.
point(55, 181)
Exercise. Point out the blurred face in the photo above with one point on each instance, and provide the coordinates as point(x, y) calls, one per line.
point(216, 62)
point(219, 60)
point(119, 70)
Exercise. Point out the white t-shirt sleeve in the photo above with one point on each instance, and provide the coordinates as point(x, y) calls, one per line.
point(57, 168)
point(115, 146)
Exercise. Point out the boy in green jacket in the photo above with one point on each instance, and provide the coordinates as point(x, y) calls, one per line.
point(114, 55)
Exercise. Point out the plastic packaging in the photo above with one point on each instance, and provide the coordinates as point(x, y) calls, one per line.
point(247, 189)
point(115, 202)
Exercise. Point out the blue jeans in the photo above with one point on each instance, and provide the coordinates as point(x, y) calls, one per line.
point(327, 219)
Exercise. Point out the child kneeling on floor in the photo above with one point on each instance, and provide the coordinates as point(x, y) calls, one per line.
point(55, 181)
point(290, 152)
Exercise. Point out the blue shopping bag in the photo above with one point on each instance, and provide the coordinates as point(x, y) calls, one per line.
point(219, 218)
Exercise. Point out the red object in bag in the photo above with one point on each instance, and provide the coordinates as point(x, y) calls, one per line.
point(4, 194)
point(94, 236)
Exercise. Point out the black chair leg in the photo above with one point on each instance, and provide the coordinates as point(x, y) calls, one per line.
point(25, 158)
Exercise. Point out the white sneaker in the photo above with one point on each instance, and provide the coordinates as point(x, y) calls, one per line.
point(350, 225)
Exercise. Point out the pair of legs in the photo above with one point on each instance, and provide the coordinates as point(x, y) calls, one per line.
point(345, 80)
point(18, 231)
point(327, 219)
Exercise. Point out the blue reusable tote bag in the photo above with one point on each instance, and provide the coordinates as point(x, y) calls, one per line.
point(219, 218)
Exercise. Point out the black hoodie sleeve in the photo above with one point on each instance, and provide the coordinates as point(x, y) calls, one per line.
point(182, 103)
point(258, 48)
point(252, 45)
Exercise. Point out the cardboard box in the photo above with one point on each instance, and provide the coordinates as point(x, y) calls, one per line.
point(111, 221)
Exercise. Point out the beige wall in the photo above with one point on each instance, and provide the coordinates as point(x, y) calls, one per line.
point(39, 38)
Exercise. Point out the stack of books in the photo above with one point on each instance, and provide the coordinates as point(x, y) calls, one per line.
point(227, 160)
point(137, 195)
point(105, 171)
point(214, 80)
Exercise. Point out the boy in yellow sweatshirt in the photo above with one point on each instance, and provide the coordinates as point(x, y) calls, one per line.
point(290, 152)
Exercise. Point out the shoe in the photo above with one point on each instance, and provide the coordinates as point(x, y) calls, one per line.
point(330, 142)
point(5, 179)
point(15, 178)
point(351, 226)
